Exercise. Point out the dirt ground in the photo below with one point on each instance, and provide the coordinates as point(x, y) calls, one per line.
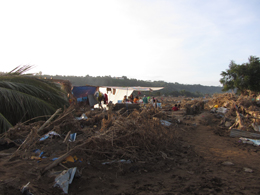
point(203, 160)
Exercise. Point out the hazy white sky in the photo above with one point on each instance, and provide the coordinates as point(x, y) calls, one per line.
point(184, 41)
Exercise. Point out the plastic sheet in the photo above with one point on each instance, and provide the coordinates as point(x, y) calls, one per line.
point(65, 178)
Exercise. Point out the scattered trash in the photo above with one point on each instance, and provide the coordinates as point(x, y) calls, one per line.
point(65, 178)
point(256, 127)
point(228, 124)
point(25, 190)
point(222, 110)
point(117, 161)
point(72, 137)
point(219, 116)
point(165, 123)
point(39, 157)
point(83, 116)
point(213, 110)
point(248, 170)
point(71, 159)
point(255, 142)
point(36, 158)
point(227, 163)
point(125, 123)
point(49, 134)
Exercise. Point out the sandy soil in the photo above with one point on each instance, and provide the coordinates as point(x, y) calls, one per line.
point(196, 164)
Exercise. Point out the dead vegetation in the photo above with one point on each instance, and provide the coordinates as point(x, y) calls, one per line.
point(134, 135)
point(104, 135)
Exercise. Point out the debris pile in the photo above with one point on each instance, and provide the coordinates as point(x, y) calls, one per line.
point(93, 136)
point(241, 112)
point(61, 147)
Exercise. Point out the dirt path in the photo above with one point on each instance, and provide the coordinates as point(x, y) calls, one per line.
point(196, 169)
point(211, 146)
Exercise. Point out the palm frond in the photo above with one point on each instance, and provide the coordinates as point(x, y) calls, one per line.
point(20, 69)
point(26, 97)
point(30, 80)
point(4, 124)
point(55, 100)
point(17, 106)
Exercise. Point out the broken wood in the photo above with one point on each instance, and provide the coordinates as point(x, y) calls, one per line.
point(5, 154)
point(64, 156)
point(66, 137)
point(49, 120)
point(63, 166)
point(239, 121)
point(27, 138)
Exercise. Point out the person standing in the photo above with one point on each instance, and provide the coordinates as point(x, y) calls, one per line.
point(105, 99)
point(125, 99)
point(145, 101)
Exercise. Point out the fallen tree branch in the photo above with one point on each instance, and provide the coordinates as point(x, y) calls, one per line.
point(35, 118)
point(27, 138)
point(64, 156)
point(49, 120)
point(66, 137)
point(64, 115)
point(5, 154)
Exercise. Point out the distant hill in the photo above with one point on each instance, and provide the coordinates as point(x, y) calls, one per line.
point(174, 89)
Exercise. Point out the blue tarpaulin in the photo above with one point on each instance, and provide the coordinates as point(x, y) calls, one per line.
point(83, 91)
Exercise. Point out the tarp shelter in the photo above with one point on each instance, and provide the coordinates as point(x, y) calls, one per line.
point(85, 93)
point(116, 94)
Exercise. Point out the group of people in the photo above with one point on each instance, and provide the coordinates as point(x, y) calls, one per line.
point(131, 99)
point(176, 107)
point(145, 100)
point(101, 97)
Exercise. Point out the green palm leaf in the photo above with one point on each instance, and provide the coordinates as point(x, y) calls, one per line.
point(26, 97)
point(54, 99)
point(20, 70)
point(4, 124)
point(18, 107)
point(30, 80)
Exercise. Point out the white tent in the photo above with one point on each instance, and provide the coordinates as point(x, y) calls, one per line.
point(115, 94)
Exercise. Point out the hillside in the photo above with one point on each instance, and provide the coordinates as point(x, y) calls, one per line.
point(174, 89)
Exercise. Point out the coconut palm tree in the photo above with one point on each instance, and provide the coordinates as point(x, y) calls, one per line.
point(24, 96)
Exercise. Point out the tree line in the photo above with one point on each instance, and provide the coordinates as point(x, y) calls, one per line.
point(173, 89)
point(243, 78)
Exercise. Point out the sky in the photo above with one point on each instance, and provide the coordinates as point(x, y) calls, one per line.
point(184, 41)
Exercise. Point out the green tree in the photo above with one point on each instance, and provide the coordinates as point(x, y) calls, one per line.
point(242, 77)
point(24, 97)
